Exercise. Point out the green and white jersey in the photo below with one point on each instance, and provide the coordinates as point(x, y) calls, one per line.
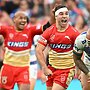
point(81, 47)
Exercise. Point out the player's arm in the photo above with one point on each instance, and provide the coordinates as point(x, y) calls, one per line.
point(39, 52)
point(79, 63)
point(1, 40)
point(3, 33)
point(41, 58)
point(42, 43)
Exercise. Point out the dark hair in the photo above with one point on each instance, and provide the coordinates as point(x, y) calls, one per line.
point(71, 0)
point(58, 7)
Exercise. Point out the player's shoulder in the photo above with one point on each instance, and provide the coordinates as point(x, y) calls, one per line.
point(73, 29)
point(83, 34)
point(51, 28)
point(6, 27)
point(81, 37)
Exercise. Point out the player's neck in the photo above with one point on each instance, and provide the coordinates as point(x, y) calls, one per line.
point(18, 30)
point(61, 29)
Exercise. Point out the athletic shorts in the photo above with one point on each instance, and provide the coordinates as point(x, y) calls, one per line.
point(62, 77)
point(33, 70)
point(11, 75)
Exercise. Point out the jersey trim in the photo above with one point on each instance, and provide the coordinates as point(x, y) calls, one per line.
point(78, 54)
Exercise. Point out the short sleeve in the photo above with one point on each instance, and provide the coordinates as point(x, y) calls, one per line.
point(44, 38)
point(79, 45)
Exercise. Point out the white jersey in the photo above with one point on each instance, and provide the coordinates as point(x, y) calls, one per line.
point(81, 47)
point(33, 54)
point(33, 63)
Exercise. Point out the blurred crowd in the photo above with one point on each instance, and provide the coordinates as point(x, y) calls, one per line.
point(38, 11)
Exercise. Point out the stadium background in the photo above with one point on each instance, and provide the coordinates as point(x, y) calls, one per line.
point(40, 10)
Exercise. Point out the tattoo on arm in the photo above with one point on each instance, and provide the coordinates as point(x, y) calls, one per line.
point(80, 64)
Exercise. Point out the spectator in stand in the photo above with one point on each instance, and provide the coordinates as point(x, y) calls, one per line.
point(23, 6)
point(10, 5)
point(5, 19)
point(73, 10)
point(87, 12)
point(81, 24)
point(38, 8)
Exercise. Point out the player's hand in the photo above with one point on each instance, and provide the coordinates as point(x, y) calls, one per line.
point(88, 80)
point(77, 73)
point(88, 75)
point(43, 78)
point(47, 71)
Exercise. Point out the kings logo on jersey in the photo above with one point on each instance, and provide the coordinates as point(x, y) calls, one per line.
point(18, 44)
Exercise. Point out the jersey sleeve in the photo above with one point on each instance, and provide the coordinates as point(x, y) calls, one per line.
point(44, 38)
point(36, 29)
point(75, 34)
point(78, 45)
point(3, 31)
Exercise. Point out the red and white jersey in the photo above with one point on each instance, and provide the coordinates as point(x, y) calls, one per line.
point(18, 44)
point(61, 44)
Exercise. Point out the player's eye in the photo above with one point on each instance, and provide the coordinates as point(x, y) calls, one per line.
point(61, 13)
point(67, 13)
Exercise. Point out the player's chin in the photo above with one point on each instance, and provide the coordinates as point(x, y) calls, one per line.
point(63, 25)
point(21, 27)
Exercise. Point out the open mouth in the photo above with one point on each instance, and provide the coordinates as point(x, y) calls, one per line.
point(63, 21)
point(22, 23)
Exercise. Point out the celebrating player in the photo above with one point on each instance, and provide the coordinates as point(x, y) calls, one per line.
point(18, 41)
point(60, 38)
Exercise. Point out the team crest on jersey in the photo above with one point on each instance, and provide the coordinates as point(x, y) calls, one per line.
point(52, 37)
point(11, 35)
point(4, 80)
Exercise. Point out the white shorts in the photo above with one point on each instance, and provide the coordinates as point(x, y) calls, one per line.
point(33, 71)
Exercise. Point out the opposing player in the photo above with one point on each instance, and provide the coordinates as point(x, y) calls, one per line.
point(82, 48)
point(33, 67)
point(18, 41)
point(60, 38)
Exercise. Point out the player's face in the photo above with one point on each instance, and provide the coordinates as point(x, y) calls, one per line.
point(20, 21)
point(63, 18)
